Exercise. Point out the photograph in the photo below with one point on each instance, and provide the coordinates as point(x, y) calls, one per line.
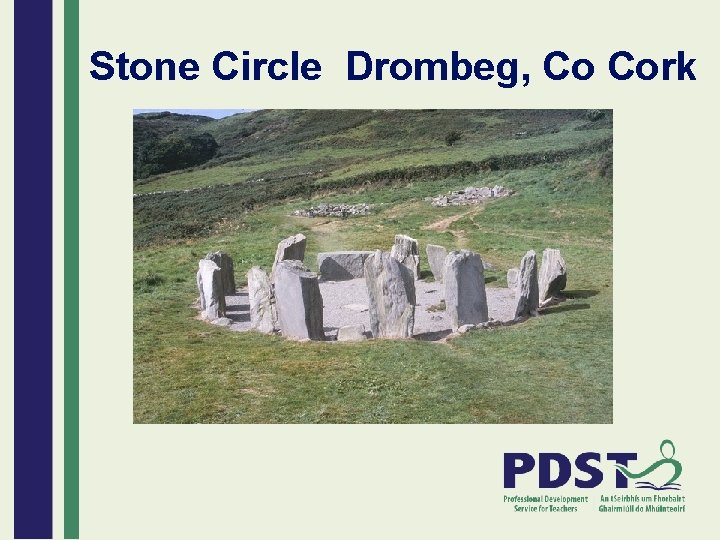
point(327, 266)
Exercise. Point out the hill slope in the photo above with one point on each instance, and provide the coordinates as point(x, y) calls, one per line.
point(330, 143)
point(267, 156)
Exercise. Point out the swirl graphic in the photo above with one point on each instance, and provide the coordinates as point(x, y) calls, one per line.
point(677, 468)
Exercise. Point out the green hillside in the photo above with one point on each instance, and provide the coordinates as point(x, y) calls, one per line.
point(556, 368)
point(270, 155)
point(336, 144)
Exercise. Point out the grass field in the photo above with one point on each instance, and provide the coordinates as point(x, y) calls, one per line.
point(556, 368)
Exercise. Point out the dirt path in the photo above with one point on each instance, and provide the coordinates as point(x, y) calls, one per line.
point(444, 224)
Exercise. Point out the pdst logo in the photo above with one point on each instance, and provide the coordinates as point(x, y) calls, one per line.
point(554, 470)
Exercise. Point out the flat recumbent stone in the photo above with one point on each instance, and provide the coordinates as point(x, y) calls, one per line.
point(342, 265)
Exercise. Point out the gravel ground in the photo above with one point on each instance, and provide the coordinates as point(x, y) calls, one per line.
point(346, 303)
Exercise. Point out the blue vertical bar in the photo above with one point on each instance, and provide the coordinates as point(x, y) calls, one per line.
point(33, 269)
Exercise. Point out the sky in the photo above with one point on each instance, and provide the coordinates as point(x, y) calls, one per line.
point(214, 113)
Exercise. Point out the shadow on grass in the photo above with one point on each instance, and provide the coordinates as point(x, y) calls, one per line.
point(580, 294)
point(433, 336)
point(563, 307)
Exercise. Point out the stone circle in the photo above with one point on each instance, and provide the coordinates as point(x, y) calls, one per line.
point(358, 294)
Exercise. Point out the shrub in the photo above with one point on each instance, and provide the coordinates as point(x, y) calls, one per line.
point(174, 153)
point(148, 282)
point(452, 137)
point(605, 165)
point(594, 114)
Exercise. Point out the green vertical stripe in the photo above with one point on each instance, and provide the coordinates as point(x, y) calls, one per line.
point(72, 281)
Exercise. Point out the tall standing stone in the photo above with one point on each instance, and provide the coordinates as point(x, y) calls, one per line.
point(391, 291)
point(291, 248)
point(405, 251)
point(212, 299)
point(436, 259)
point(465, 299)
point(227, 271)
point(527, 288)
point(298, 301)
point(263, 315)
point(553, 274)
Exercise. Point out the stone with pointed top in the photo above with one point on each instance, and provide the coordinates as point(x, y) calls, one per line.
point(291, 248)
point(436, 259)
point(391, 291)
point(527, 295)
point(263, 315)
point(553, 274)
point(405, 251)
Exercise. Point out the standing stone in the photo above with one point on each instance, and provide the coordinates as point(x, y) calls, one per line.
point(527, 289)
point(465, 300)
point(436, 258)
point(553, 274)
point(512, 278)
point(212, 299)
point(291, 248)
point(298, 301)
point(341, 265)
point(263, 315)
point(391, 290)
point(227, 271)
point(405, 251)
